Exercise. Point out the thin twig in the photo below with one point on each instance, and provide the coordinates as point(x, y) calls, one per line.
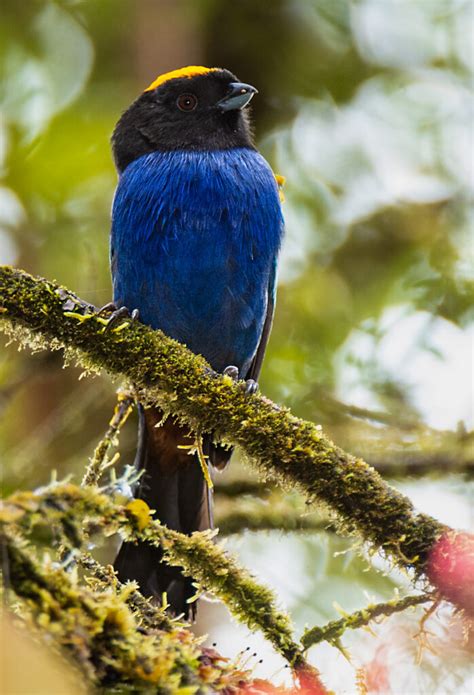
point(202, 458)
point(277, 513)
point(150, 614)
point(99, 462)
point(333, 631)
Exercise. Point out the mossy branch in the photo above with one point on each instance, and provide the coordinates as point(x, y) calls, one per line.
point(99, 461)
point(333, 631)
point(106, 636)
point(66, 506)
point(281, 445)
point(149, 613)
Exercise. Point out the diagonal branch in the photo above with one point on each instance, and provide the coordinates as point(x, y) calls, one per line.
point(279, 444)
point(66, 506)
point(105, 635)
point(333, 631)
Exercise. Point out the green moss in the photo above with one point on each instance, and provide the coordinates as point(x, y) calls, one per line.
point(112, 637)
point(333, 631)
point(67, 508)
point(99, 461)
point(147, 612)
point(276, 442)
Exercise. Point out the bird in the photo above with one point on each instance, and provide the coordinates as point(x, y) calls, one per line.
point(196, 232)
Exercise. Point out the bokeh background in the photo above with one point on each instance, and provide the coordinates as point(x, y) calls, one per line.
point(366, 107)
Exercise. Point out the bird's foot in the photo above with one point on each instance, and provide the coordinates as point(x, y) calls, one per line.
point(251, 387)
point(118, 313)
point(231, 371)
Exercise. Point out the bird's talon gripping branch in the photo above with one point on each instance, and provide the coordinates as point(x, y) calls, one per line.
point(110, 306)
point(117, 316)
point(118, 313)
point(231, 371)
point(251, 387)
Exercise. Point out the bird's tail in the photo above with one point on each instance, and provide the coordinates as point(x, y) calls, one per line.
point(173, 485)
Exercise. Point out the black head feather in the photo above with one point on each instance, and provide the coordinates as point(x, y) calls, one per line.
point(181, 114)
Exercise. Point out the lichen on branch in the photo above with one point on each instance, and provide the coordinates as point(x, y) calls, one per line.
point(106, 637)
point(279, 444)
point(99, 461)
point(333, 631)
point(78, 511)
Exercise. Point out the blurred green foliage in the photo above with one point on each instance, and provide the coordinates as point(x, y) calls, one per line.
point(364, 105)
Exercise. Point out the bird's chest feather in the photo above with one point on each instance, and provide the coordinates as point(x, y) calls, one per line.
point(194, 239)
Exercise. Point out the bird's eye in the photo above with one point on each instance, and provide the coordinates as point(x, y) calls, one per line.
point(187, 102)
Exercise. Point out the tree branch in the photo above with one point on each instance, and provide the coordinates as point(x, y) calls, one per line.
point(164, 372)
point(150, 614)
point(333, 631)
point(99, 461)
point(67, 507)
point(105, 634)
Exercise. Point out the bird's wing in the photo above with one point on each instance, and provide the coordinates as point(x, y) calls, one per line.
point(218, 455)
point(257, 361)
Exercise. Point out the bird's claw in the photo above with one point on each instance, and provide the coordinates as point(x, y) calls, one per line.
point(232, 371)
point(118, 313)
point(251, 387)
point(110, 306)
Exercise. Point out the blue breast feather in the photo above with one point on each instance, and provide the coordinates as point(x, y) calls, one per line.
point(194, 242)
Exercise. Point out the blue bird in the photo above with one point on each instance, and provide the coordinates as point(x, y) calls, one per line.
point(196, 232)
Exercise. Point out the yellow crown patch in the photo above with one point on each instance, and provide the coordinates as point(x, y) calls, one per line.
point(189, 71)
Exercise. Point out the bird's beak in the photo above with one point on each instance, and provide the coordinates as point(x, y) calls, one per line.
point(238, 96)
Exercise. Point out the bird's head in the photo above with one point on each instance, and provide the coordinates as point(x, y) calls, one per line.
point(193, 108)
